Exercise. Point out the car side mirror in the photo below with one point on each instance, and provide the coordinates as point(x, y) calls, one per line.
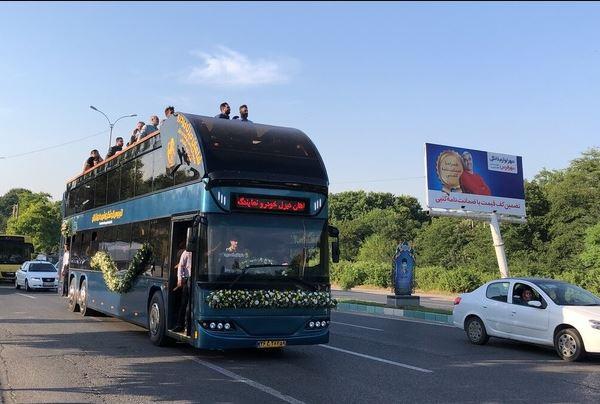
point(534, 303)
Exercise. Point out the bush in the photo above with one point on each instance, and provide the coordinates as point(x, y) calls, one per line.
point(350, 274)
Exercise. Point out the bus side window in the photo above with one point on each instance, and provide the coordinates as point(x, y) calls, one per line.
point(100, 191)
point(159, 239)
point(114, 185)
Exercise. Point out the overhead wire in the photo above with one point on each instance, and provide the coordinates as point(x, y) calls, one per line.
point(53, 146)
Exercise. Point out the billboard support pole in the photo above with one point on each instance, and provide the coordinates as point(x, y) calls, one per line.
point(499, 245)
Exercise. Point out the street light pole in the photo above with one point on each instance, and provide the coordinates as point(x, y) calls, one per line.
point(111, 124)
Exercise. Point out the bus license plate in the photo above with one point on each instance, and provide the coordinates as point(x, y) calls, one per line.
point(48, 284)
point(271, 344)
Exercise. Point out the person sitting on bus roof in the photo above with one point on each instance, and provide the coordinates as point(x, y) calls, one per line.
point(225, 111)
point(116, 148)
point(170, 110)
point(93, 160)
point(136, 133)
point(149, 127)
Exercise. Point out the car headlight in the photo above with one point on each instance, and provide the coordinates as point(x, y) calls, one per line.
point(595, 324)
point(36, 279)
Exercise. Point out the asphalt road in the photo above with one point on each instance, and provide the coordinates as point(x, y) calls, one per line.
point(50, 355)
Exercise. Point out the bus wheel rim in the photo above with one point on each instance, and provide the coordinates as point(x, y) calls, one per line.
point(154, 318)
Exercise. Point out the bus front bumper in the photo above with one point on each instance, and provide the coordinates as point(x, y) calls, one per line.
point(221, 340)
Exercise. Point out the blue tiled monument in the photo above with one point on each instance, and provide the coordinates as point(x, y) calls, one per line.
point(403, 271)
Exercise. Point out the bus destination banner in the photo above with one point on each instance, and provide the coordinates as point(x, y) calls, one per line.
point(474, 180)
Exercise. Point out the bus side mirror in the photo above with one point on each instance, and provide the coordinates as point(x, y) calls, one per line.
point(335, 245)
point(335, 251)
point(191, 239)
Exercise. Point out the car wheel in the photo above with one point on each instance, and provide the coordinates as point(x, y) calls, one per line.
point(476, 332)
point(17, 286)
point(72, 296)
point(157, 326)
point(568, 345)
point(27, 288)
point(82, 298)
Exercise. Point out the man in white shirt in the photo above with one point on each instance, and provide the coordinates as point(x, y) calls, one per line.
point(184, 270)
point(65, 271)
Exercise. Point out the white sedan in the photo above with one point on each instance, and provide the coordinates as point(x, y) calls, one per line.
point(539, 311)
point(36, 275)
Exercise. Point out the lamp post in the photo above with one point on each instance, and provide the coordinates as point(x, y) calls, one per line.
point(111, 124)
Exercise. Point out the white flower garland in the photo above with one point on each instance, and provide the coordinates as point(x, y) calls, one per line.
point(268, 299)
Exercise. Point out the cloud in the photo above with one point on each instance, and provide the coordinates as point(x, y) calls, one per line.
point(227, 67)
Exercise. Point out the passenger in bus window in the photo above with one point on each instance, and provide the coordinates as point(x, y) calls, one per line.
point(225, 111)
point(149, 127)
point(93, 160)
point(116, 148)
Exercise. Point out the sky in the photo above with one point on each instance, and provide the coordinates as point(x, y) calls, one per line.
point(370, 83)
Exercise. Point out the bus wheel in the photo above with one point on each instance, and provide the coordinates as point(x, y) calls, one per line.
point(157, 320)
point(72, 297)
point(82, 299)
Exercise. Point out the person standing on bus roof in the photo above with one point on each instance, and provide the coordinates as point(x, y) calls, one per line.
point(225, 111)
point(184, 270)
point(136, 133)
point(116, 148)
point(149, 127)
point(169, 111)
point(244, 114)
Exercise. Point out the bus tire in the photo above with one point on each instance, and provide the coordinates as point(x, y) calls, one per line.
point(157, 320)
point(82, 298)
point(72, 296)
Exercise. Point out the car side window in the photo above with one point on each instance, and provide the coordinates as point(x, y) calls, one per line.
point(498, 291)
point(523, 294)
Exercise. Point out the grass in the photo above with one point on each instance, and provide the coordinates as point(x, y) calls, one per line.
point(415, 308)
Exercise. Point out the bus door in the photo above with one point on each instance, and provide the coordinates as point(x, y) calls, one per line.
point(179, 227)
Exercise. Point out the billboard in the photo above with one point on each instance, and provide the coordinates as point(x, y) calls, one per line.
point(474, 180)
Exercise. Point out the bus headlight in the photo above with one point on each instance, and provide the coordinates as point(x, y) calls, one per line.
point(311, 324)
point(212, 326)
point(220, 326)
point(595, 324)
point(227, 326)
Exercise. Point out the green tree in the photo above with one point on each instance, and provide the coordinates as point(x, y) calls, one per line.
point(40, 219)
point(7, 201)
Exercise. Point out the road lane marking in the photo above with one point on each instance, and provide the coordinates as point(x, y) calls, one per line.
point(358, 326)
point(407, 319)
point(21, 294)
point(242, 379)
point(389, 362)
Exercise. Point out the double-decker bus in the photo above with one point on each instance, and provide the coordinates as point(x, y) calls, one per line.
point(14, 251)
point(249, 201)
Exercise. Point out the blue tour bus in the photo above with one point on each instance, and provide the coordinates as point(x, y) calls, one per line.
point(249, 201)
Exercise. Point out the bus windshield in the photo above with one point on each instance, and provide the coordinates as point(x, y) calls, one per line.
point(14, 252)
point(254, 247)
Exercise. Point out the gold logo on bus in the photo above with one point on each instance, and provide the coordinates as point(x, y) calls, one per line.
point(110, 215)
point(271, 344)
point(171, 153)
point(189, 141)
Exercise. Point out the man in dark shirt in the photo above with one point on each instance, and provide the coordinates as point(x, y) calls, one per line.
point(225, 111)
point(116, 148)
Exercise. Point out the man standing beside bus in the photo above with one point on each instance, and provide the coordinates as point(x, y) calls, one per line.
point(184, 270)
point(65, 271)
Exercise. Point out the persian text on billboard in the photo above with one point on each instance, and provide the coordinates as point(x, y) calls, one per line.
point(474, 180)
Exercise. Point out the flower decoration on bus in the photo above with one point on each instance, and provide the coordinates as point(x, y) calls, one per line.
point(67, 228)
point(121, 283)
point(265, 203)
point(269, 299)
point(189, 142)
point(107, 217)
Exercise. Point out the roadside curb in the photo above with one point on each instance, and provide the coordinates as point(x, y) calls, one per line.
point(389, 311)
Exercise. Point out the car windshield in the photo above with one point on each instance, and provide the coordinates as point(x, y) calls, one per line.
point(255, 247)
point(41, 267)
point(565, 294)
